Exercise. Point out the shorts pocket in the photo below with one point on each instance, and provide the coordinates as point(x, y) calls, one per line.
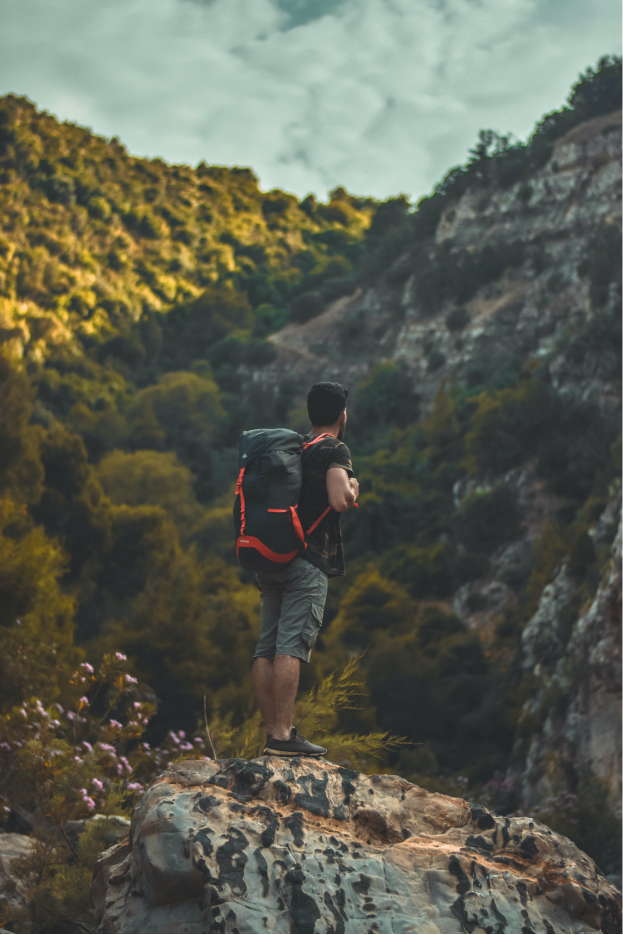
point(312, 625)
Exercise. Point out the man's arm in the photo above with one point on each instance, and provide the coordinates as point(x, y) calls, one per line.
point(342, 489)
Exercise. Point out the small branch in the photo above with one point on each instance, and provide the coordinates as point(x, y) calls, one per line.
point(60, 827)
point(205, 714)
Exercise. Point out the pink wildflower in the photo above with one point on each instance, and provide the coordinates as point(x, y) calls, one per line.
point(84, 700)
point(87, 667)
point(114, 724)
point(98, 785)
point(121, 657)
point(87, 746)
point(134, 787)
point(5, 746)
point(130, 680)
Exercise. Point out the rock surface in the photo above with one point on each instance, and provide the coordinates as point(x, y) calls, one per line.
point(576, 698)
point(12, 891)
point(271, 845)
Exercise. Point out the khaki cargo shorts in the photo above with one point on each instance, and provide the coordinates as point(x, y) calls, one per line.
point(291, 609)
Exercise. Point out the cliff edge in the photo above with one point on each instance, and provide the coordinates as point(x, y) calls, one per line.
point(270, 845)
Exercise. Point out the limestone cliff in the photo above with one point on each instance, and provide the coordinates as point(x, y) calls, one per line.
point(576, 699)
point(270, 845)
point(546, 223)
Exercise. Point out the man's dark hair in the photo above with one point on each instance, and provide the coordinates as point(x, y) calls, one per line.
point(326, 402)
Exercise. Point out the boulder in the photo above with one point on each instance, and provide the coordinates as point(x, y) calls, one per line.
point(275, 845)
point(13, 889)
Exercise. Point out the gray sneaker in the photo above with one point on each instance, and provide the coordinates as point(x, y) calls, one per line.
point(295, 746)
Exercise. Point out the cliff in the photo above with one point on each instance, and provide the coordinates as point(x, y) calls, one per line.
point(538, 235)
point(574, 707)
point(269, 845)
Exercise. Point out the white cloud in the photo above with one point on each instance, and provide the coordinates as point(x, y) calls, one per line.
point(381, 96)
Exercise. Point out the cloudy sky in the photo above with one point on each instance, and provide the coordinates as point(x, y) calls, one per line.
point(381, 96)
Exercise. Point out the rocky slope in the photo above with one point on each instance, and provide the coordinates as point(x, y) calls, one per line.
point(546, 223)
point(269, 845)
point(576, 696)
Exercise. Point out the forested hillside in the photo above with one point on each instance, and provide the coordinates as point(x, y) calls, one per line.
point(150, 312)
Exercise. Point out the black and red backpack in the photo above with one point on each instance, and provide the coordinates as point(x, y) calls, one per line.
point(269, 534)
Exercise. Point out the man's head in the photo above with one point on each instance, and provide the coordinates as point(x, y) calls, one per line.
point(326, 406)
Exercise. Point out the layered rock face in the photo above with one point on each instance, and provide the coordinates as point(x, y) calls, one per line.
point(271, 845)
point(576, 698)
point(546, 224)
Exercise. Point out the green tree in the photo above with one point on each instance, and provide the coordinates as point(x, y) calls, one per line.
point(152, 478)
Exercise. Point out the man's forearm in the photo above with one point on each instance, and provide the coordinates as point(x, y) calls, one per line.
point(341, 489)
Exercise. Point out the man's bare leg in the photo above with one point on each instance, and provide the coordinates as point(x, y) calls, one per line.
point(276, 683)
point(286, 671)
point(263, 684)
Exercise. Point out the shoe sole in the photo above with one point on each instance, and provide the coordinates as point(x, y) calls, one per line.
point(272, 752)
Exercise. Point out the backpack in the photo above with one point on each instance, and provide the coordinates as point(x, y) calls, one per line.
point(269, 534)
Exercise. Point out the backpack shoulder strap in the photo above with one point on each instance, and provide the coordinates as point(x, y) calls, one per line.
point(318, 438)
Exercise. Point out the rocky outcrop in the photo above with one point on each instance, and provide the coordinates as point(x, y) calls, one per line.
point(575, 665)
point(13, 888)
point(271, 845)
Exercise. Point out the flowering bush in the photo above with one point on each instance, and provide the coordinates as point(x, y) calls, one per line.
point(69, 762)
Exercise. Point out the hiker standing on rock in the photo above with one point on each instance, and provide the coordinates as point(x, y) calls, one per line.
point(290, 493)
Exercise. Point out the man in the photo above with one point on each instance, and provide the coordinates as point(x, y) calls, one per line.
point(292, 600)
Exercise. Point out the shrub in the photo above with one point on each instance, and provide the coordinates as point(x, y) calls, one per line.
point(386, 397)
point(306, 307)
point(99, 208)
point(267, 320)
point(603, 262)
point(423, 570)
point(457, 319)
point(488, 520)
point(336, 287)
point(436, 360)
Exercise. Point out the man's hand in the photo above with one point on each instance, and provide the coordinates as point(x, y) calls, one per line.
point(341, 489)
